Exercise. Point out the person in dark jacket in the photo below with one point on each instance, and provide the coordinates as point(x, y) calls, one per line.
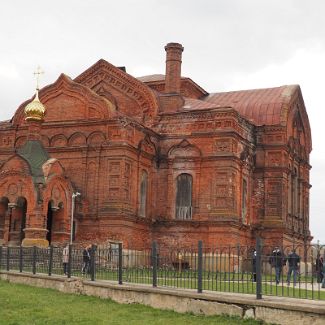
point(293, 263)
point(254, 265)
point(319, 269)
point(86, 259)
point(323, 282)
point(277, 260)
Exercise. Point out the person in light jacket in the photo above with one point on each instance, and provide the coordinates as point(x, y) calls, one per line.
point(65, 258)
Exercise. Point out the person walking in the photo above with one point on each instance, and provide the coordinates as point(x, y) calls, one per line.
point(277, 260)
point(254, 265)
point(323, 282)
point(319, 269)
point(86, 259)
point(293, 263)
point(65, 258)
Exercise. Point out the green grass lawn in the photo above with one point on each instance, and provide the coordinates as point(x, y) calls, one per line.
point(25, 305)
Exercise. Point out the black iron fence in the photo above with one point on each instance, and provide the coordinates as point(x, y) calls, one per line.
point(293, 271)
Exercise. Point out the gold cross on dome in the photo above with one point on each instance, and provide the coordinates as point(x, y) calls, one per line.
point(37, 74)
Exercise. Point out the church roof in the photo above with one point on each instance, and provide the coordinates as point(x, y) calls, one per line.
point(266, 106)
point(152, 78)
point(35, 154)
point(155, 79)
point(196, 104)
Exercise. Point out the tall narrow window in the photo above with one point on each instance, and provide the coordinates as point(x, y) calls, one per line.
point(184, 197)
point(244, 201)
point(143, 194)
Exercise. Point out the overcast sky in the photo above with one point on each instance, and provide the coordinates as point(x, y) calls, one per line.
point(229, 45)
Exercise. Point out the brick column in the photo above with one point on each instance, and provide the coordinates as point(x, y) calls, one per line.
point(35, 231)
point(6, 229)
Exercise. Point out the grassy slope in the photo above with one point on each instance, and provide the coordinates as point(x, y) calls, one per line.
point(21, 304)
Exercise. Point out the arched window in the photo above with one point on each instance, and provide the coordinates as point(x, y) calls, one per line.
point(184, 197)
point(143, 194)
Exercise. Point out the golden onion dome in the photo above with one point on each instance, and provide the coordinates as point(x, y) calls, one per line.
point(35, 110)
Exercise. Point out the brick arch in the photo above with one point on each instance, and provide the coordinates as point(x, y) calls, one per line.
point(58, 190)
point(184, 149)
point(15, 184)
point(77, 139)
point(16, 163)
point(59, 140)
point(96, 138)
point(56, 208)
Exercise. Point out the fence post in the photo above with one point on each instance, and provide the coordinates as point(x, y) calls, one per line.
point(199, 266)
point(69, 261)
point(154, 263)
point(20, 259)
point(8, 258)
point(34, 259)
point(120, 263)
point(258, 268)
point(51, 260)
point(92, 262)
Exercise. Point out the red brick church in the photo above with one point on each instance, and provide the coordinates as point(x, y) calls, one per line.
point(154, 158)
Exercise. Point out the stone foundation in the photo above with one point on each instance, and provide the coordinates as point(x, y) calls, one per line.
point(275, 310)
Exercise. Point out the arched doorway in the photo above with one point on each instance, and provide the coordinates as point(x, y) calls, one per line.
point(55, 224)
point(18, 221)
point(3, 212)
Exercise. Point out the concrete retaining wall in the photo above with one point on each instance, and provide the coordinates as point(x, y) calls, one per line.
point(274, 310)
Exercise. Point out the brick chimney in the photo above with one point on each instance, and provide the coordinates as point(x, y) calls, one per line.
point(173, 68)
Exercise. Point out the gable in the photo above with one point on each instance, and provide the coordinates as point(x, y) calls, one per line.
point(297, 122)
point(66, 100)
point(16, 164)
point(133, 98)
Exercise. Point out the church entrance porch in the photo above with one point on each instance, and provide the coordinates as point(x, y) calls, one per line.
point(17, 221)
point(12, 220)
point(57, 224)
point(3, 217)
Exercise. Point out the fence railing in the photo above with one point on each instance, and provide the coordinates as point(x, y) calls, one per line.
point(293, 271)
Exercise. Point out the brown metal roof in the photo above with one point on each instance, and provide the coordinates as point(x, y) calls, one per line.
point(152, 78)
point(260, 106)
point(194, 104)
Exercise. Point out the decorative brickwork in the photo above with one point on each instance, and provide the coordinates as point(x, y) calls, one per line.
point(155, 158)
